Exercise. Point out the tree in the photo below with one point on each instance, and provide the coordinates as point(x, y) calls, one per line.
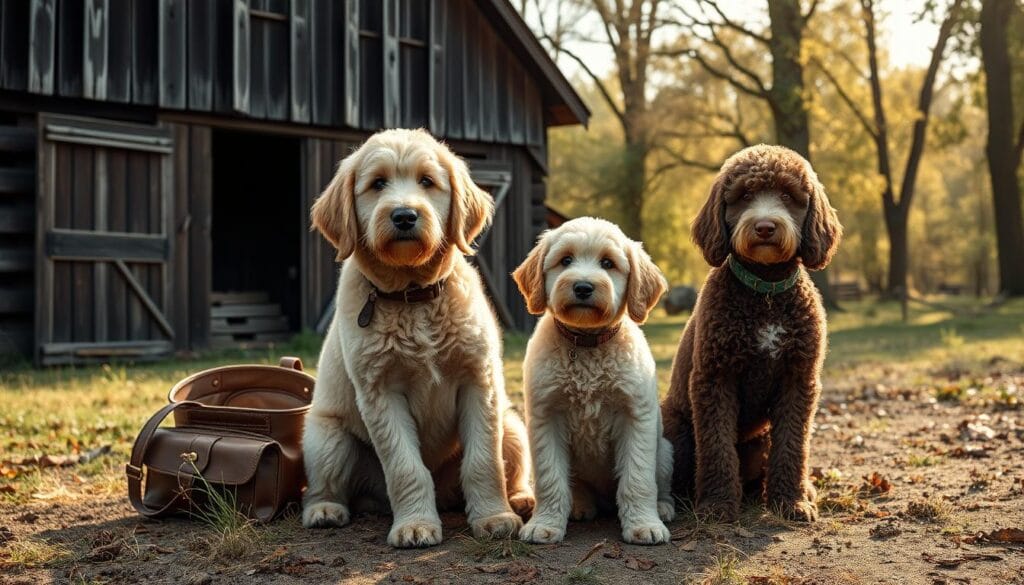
point(896, 211)
point(1002, 149)
point(627, 29)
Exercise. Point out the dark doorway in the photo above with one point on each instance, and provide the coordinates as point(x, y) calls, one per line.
point(256, 233)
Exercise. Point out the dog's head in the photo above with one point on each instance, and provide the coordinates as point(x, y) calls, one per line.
point(403, 198)
point(767, 206)
point(589, 274)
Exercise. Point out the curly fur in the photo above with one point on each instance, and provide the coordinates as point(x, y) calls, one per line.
point(410, 412)
point(746, 377)
point(594, 422)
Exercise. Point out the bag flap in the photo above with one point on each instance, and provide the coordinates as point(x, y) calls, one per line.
point(224, 459)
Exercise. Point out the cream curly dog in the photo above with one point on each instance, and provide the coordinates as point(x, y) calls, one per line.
point(591, 390)
point(410, 390)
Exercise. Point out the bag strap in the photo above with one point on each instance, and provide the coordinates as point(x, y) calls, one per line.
point(134, 467)
point(290, 362)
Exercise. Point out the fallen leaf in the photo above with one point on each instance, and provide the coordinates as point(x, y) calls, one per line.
point(876, 484)
point(614, 551)
point(957, 561)
point(688, 546)
point(1012, 535)
point(7, 489)
point(593, 550)
point(744, 533)
point(639, 563)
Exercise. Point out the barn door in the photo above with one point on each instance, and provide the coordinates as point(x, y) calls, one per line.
point(102, 244)
point(495, 178)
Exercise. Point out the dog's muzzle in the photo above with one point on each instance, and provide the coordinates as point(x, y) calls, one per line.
point(404, 218)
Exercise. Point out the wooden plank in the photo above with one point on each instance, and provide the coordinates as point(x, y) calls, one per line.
point(17, 180)
point(228, 325)
point(172, 58)
point(392, 70)
point(70, 28)
point(100, 278)
point(489, 46)
point(438, 20)
point(501, 128)
point(299, 72)
point(276, 62)
point(166, 187)
point(52, 354)
point(455, 69)
point(258, 71)
point(260, 310)
point(94, 49)
point(238, 298)
point(15, 260)
point(471, 78)
point(352, 59)
point(140, 292)
point(145, 52)
point(138, 324)
point(241, 61)
point(14, 44)
point(42, 24)
point(82, 218)
point(534, 114)
point(119, 51)
point(97, 245)
point(202, 19)
point(323, 101)
point(182, 227)
point(200, 253)
point(517, 109)
point(117, 205)
point(107, 133)
point(55, 203)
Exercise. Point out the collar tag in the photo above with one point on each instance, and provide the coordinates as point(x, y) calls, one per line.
point(366, 314)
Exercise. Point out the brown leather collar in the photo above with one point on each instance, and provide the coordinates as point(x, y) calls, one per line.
point(413, 294)
point(581, 339)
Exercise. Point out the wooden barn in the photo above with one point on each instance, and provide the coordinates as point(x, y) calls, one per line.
point(158, 158)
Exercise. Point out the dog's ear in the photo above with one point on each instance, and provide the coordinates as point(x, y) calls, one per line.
point(709, 230)
point(472, 207)
point(645, 286)
point(821, 231)
point(529, 278)
point(334, 212)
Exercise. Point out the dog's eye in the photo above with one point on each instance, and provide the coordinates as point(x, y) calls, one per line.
point(784, 196)
point(379, 183)
point(748, 196)
point(566, 261)
point(607, 264)
point(426, 182)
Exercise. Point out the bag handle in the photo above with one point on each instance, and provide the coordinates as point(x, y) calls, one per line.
point(134, 467)
point(291, 362)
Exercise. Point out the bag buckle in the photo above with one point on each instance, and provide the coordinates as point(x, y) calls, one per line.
point(133, 472)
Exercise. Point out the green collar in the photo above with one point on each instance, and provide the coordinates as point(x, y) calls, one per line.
point(764, 287)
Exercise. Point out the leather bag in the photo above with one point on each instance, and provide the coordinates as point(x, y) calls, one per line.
point(237, 431)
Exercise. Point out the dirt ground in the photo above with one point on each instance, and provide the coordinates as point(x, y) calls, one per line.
point(946, 448)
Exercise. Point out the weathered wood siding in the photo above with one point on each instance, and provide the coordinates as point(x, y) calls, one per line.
point(357, 64)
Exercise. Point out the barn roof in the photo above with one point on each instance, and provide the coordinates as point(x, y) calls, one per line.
point(564, 106)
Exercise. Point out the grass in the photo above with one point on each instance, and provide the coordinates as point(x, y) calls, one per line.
point(69, 410)
point(496, 548)
point(933, 510)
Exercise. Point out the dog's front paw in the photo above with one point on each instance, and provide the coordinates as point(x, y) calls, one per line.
point(415, 533)
point(502, 525)
point(718, 510)
point(801, 510)
point(651, 532)
point(666, 510)
point(542, 532)
point(325, 515)
point(522, 503)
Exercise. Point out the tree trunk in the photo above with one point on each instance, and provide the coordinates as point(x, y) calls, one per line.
point(634, 182)
point(786, 97)
point(1000, 148)
point(896, 225)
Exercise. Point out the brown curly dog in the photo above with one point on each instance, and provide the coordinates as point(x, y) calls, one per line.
point(746, 377)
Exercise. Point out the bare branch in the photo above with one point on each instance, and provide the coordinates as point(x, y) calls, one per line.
point(593, 76)
point(679, 160)
point(810, 10)
point(724, 21)
point(758, 92)
point(848, 100)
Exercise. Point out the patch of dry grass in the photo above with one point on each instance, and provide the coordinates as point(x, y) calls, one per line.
point(496, 548)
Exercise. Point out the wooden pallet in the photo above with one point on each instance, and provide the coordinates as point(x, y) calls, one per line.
point(246, 319)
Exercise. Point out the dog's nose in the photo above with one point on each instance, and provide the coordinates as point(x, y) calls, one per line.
point(583, 290)
point(404, 218)
point(765, 229)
